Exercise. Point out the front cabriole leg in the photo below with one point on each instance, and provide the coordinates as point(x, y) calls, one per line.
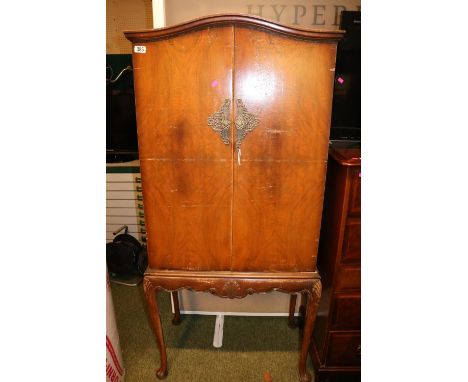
point(153, 310)
point(311, 313)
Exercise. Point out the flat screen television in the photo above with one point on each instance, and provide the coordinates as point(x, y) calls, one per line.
point(121, 128)
point(346, 109)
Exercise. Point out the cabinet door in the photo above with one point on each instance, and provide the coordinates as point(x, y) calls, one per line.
point(278, 185)
point(186, 167)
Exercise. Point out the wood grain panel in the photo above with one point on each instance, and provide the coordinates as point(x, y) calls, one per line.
point(351, 252)
point(288, 84)
point(179, 83)
point(276, 215)
point(346, 312)
point(348, 278)
point(344, 349)
point(185, 166)
point(355, 193)
point(279, 184)
point(188, 213)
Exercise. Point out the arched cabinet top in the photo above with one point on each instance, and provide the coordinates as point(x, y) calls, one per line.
point(149, 35)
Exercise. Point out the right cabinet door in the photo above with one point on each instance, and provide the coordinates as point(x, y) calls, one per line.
point(282, 103)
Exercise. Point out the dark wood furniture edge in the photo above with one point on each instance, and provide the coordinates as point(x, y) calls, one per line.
point(344, 160)
point(322, 370)
point(149, 35)
point(314, 353)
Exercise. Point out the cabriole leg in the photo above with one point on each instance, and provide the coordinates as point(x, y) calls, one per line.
point(175, 299)
point(310, 314)
point(292, 308)
point(302, 307)
point(153, 310)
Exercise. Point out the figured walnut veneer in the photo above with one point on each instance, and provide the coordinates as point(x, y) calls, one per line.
point(233, 116)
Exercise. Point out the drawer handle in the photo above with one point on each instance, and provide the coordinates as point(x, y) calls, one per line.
point(137, 179)
point(141, 223)
point(140, 197)
point(141, 214)
point(143, 231)
point(138, 188)
point(140, 206)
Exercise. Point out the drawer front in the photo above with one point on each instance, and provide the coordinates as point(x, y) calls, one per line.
point(348, 278)
point(351, 250)
point(344, 349)
point(346, 312)
point(354, 208)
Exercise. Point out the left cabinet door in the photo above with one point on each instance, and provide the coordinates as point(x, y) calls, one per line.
point(186, 166)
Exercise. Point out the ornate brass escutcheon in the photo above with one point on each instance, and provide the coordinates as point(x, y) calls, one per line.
point(220, 122)
point(245, 123)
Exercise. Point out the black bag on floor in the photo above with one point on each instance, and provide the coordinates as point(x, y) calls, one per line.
point(126, 256)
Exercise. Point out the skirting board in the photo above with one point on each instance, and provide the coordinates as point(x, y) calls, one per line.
point(234, 313)
point(270, 304)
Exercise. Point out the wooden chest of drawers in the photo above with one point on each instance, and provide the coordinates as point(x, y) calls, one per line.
point(336, 348)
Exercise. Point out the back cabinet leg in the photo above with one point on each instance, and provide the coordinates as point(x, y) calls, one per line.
point(175, 299)
point(292, 308)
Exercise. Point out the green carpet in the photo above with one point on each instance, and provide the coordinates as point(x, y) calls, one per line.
point(252, 346)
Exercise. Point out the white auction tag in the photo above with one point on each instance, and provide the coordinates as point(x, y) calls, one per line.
point(139, 49)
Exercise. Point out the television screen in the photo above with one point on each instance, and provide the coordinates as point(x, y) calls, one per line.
point(121, 129)
point(346, 110)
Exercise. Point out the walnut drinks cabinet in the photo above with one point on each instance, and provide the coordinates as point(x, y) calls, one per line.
point(233, 117)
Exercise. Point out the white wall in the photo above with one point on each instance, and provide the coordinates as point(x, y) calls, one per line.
point(308, 14)
point(125, 15)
